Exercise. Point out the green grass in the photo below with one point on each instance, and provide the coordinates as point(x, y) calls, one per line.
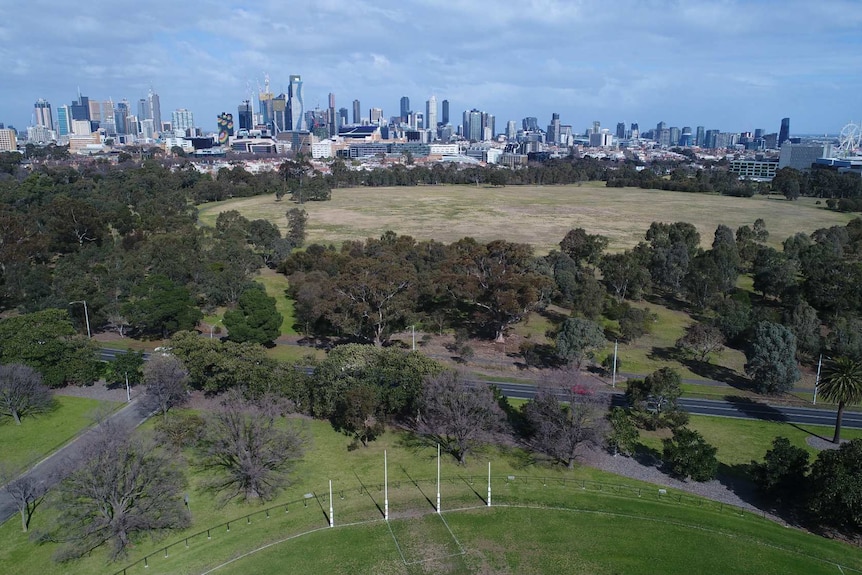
point(293, 353)
point(39, 435)
point(276, 284)
point(541, 538)
point(537, 215)
point(739, 441)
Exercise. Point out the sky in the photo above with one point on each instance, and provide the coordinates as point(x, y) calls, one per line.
point(732, 65)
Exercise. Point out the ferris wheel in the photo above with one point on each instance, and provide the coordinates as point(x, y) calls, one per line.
point(849, 139)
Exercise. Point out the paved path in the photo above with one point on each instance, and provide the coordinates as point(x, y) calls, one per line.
point(52, 467)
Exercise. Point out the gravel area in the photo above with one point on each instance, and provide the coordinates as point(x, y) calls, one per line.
point(100, 391)
point(820, 443)
point(739, 494)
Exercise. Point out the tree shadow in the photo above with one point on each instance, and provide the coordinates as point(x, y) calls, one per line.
point(647, 456)
point(718, 373)
point(669, 301)
point(754, 409)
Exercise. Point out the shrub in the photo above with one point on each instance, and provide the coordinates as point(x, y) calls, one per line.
point(687, 454)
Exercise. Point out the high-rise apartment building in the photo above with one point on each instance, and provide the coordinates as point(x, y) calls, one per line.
point(154, 111)
point(530, 124)
point(295, 113)
point(143, 108)
point(332, 118)
point(342, 117)
point(553, 137)
point(8, 141)
point(43, 115)
point(597, 127)
point(675, 134)
point(225, 128)
point(357, 116)
point(121, 114)
point(635, 131)
point(375, 115)
point(445, 116)
point(685, 137)
point(279, 113)
point(431, 114)
point(699, 136)
point(784, 132)
point(621, 130)
point(511, 130)
point(182, 120)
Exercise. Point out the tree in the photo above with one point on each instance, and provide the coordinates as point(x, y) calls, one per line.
point(161, 307)
point(774, 273)
point(124, 486)
point(165, 378)
point(654, 398)
point(457, 416)
point(805, 325)
point(578, 340)
point(836, 499)
point(624, 275)
point(26, 491)
point(255, 319)
point(781, 474)
point(563, 416)
point(22, 392)
point(687, 454)
point(296, 224)
point(636, 322)
point(771, 358)
point(248, 450)
point(357, 414)
point(127, 367)
point(842, 384)
point(582, 247)
point(623, 434)
point(700, 340)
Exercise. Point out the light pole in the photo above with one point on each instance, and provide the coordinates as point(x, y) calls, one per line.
point(86, 315)
point(413, 331)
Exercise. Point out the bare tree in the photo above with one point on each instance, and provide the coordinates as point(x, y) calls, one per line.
point(26, 491)
point(165, 379)
point(565, 415)
point(250, 453)
point(124, 485)
point(22, 392)
point(458, 416)
point(701, 340)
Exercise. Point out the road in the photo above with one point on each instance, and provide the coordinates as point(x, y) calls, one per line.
point(49, 470)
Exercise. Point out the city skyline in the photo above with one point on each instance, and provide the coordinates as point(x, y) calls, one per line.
point(733, 66)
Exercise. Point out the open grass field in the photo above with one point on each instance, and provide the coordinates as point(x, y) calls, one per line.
point(537, 215)
point(39, 435)
point(572, 521)
point(275, 284)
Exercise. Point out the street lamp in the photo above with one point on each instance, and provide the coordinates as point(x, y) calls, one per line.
point(86, 315)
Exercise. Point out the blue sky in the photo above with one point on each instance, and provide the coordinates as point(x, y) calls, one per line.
point(732, 65)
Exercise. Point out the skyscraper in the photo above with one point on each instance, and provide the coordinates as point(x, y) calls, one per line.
point(121, 114)
point(635, 131)
point(530, 124)
point(405, 108)
point(342, 117)
point(80, 108)
point(554, 129)
point(473, 125)
point(357, 116)
point(294, 104)
point(244, 116)
point(44, 117)
point(621, 130)
point(279, 113)
point(375, 115)
point(511, 130)
point(64, 119)
point(143, 108)
point(699, 136)
point(182, 120)
point(431, 114)
point(155, 109)
point(445, 117)
point(784, 132)
point(332, 118)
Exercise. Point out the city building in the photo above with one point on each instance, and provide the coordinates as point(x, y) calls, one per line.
point(121, 113)
point(64, 120)
point(801, 156)
point(245, 115)
point(554, 129)
point(445, 117)
point(375, 116)
point(602, 139)
point(225, 128)
point(80, 108)
point(784, 132)
point(761, 170)
point(357, 116)
point(332, 118)
point(154, 109)
point(621, 130)
point(511, 130)
point(183, 121)
point(431, 114)
point(43, 115)
point(296, 118)
point(405, 108)
point(8, 141)
point(685, 139)
point(635, 131)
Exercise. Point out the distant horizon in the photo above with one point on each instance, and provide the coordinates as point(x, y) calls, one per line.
point(735, 66)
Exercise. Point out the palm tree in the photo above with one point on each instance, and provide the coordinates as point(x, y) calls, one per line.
point(842, 384)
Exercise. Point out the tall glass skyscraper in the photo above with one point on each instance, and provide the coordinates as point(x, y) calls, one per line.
point(784, 133)
point(296, 118)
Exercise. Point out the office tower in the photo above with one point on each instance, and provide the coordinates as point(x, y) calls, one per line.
point(279, 113)
point(295, 112)
point(473, 128)
point(621, 130)
point(784, 132)
point(264, 100)
point(121, 113)
point(64, 120)
point(597, 127)
point(342, 117)
point(554, 129)
point(80, 108)
point(183, 120)
point(699, 136)
point(431, 113)
point(530, 124)
point(511, 130)
point(143, 108)
point(332, 118)
point(709, 139)
point(357, 117)
point(660, 126)
point(405, 108)
point(42, 111)
point(635, 131)
point(758, 132)
point(154, 111)
point(675, 134)
point(375, 115)
point(245, 115)
point(225, 127)
point(445, 118)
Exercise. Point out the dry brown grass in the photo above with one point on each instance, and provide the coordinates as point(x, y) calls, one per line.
point(537, 215)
